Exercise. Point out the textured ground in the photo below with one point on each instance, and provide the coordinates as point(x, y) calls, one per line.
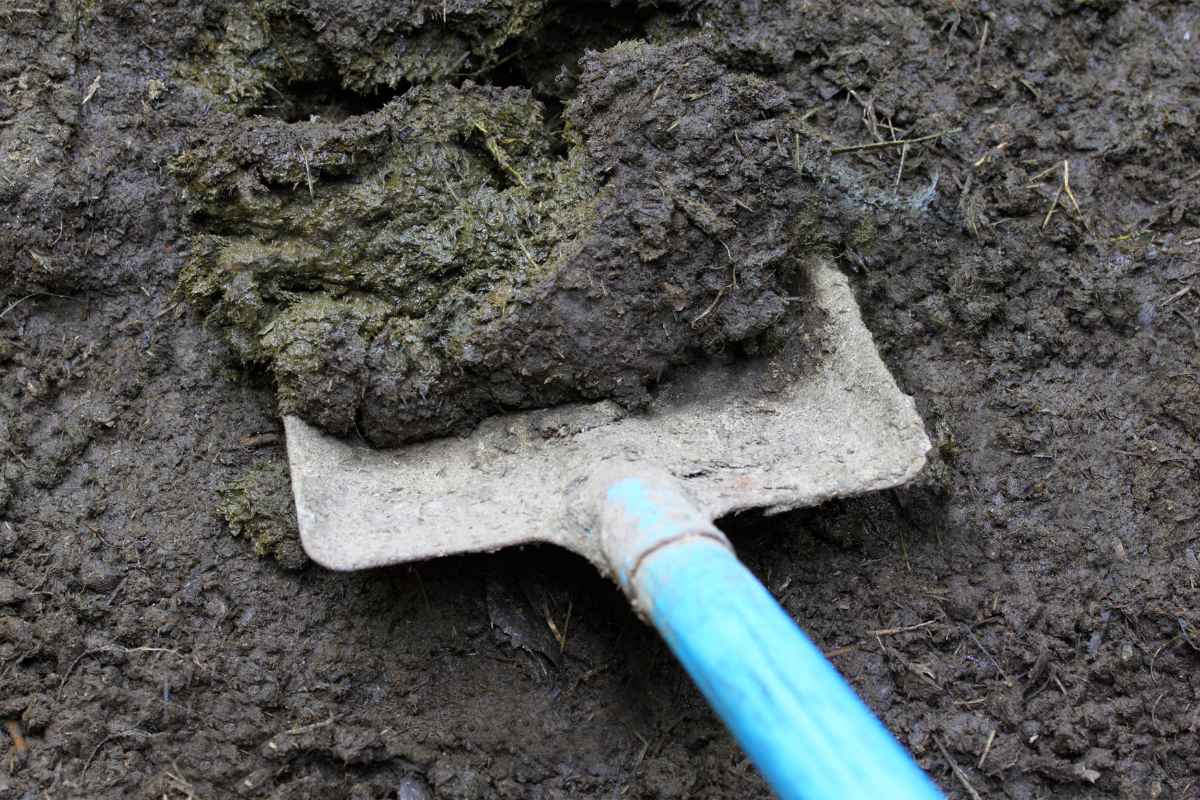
point(1027, 612)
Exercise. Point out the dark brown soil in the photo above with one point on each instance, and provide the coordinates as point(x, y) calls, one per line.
point(1028, 611)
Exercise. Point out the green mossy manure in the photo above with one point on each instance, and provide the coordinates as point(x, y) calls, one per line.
point(408, 271)
point(258, 506)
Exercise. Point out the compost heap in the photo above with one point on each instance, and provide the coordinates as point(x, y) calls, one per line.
point(468, 248)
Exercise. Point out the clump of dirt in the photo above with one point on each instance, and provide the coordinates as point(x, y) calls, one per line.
point(295, 58)
point(267, 54)
point(409, 271)
point(258, 506)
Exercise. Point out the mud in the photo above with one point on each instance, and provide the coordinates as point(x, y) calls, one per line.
point(407, 272)
point(254, 507)
point(1027, 611)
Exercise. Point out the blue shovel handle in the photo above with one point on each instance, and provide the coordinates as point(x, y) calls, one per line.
point(804, 728)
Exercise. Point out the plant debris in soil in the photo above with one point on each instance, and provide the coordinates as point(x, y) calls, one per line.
point(405, 272)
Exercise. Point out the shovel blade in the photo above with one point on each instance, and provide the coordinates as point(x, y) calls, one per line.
point(772, 433)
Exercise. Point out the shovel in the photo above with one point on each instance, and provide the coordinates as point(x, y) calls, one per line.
point(637, 493)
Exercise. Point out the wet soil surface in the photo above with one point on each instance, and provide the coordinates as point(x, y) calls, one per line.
point(1012, 186)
